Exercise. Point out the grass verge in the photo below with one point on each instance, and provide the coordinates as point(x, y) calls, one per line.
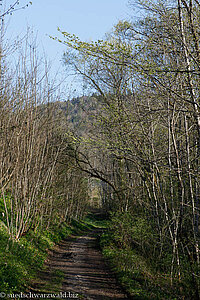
point(21, 260)
point(134, 271)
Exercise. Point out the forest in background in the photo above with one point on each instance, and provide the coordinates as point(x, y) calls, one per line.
point(138, 135)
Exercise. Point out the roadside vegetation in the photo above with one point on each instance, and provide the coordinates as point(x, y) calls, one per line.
point(21, 260)
point(126, 241)
point(127, 245)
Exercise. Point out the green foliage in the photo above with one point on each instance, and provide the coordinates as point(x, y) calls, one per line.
point(12, 276)
point(2, 208)
point(129, 230)
point(124, 244)
point(79, 226)
point(15, 260)
point(58, 276)
point(95, 220)
point(20, 260)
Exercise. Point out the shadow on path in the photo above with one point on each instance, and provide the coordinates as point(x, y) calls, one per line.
point(83, 267)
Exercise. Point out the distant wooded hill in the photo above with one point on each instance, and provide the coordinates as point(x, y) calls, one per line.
point(79, 111)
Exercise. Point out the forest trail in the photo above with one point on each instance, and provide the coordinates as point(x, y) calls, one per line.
point(84, 269)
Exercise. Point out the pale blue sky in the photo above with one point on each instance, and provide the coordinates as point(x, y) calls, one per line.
point(88, 19)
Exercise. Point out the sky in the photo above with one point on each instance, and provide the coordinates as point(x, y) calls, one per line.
point(88, 19)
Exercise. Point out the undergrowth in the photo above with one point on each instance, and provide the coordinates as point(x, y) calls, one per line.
point(125, 245)
point(96, 220)
point(20, 260)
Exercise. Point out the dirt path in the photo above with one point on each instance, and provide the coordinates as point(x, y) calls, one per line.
point(84, 269)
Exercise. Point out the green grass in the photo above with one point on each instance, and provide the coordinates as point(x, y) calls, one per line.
point(80, 226)
point(18, 262)
point(126, 244)
point(21, 260)
point(134, 272)
point(96, 220)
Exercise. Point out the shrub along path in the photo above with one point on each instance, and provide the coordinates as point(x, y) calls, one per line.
point(82, 269)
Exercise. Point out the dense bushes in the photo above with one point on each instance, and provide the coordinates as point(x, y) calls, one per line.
point(129, 245)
